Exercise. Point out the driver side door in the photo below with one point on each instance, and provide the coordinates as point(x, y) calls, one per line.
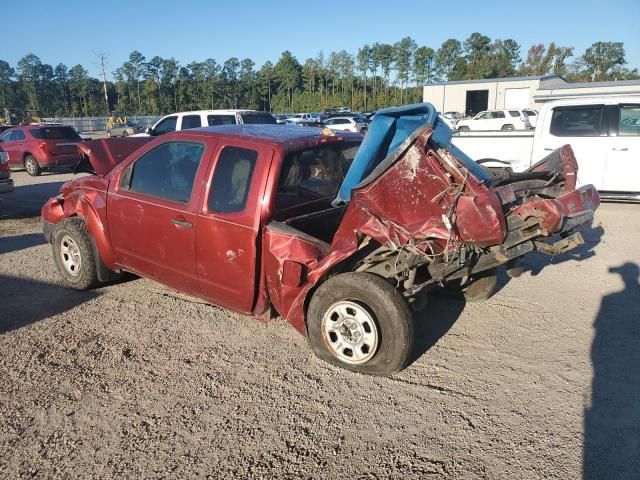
point(151, 210)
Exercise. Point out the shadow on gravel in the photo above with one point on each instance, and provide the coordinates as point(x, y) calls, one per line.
point(612, 421)
point(434, 321)
point(20, 242)
point(536, 262)
point(25, 301)
point(27, 200)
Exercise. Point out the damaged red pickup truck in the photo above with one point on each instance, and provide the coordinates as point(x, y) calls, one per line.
point(247, 217)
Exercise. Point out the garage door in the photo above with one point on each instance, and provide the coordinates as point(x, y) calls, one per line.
point(516, 98)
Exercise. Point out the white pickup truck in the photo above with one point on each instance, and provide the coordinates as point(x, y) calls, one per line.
point(604, 133)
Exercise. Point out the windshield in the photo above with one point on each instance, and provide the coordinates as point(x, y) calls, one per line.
point(262, 118)
point(54, 133)
point(313, 174)
point(442, 138)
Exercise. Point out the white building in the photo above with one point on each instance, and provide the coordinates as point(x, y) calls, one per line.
point(472, 96)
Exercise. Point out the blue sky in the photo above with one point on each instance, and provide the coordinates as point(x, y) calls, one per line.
point(197, 29)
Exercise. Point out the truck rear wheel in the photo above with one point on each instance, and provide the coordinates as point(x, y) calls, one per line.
point(73, 253)
point(360, 322)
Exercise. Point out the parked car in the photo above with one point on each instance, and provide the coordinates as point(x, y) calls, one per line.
point(264, 220)
point(453, 117)
point(505, 120)
point(300, 117)
point(603, 131)
point(203, 118)
point(280, 119)
point(124, 130)
point(41, 147)
point(310, 124)
point(347, 124)
point(6, 183)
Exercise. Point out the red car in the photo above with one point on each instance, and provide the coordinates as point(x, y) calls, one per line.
point(242, 216)
point(39, 147)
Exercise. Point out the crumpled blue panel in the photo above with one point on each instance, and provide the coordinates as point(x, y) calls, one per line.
point(390, 127)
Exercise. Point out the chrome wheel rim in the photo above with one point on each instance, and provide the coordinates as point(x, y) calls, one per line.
point(70, 255)
point(31, 168)
point(350, 332)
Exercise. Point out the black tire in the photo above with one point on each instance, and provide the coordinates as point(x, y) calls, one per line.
point(463, 129)
point(75, 229)
point(125, 133)
point(507, 128)
point(476, 288)
point(31, 166)
point(386, 307)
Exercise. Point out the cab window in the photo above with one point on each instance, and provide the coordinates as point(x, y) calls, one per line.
point(191, 121)
point(629, 120)
point(167, 172)
point(221, 120)
point(165, 126)
point(313, 174)
point(577, 121)
point(232, 180)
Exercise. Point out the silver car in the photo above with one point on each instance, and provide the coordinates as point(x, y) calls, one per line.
point(123, 130)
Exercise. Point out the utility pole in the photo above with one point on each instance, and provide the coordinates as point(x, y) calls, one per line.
point(102, 64)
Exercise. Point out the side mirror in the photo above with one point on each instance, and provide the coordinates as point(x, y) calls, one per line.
point(149, 131)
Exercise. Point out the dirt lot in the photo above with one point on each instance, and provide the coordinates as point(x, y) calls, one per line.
point(541, 381)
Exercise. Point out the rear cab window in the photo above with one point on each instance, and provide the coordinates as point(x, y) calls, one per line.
point(54, 133)
point(577, 121)
point(258, 118)
point(313, 174)
point(514, 113)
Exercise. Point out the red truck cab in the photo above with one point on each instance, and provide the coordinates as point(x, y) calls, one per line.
point(242, 216)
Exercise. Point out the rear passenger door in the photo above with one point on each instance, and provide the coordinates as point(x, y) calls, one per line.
point(584, 128)
point(622, 172)
point(228, 224)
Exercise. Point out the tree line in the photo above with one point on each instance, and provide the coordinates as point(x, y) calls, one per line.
point(376, 76)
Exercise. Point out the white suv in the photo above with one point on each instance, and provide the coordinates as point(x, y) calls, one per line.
point(349, 124)
point(505, 120)
point(204, 118)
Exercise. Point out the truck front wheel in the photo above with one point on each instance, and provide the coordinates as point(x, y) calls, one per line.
point(73, 254)
point(360, 322)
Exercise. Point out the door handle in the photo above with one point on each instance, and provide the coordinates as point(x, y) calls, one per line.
point(620, 149)
point(181, 222)
point(548, 149)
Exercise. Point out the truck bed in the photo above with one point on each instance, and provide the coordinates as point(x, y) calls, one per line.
point(321, 225)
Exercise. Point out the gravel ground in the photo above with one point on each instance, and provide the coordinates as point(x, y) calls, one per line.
point(133, 379)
